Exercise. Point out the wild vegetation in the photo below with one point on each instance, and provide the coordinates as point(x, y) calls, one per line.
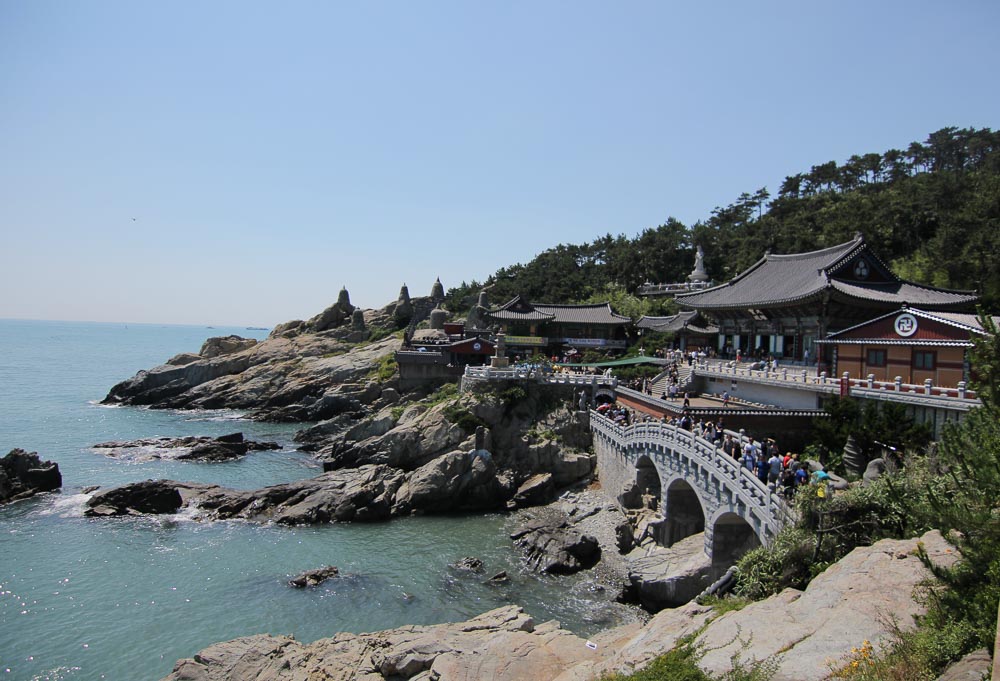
point(931, 210)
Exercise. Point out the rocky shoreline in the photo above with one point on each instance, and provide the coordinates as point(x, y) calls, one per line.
point(806, 634)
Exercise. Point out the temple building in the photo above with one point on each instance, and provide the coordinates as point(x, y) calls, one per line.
point(555, 328)
point(910, 344)
point(783, 304)
point(688, 328)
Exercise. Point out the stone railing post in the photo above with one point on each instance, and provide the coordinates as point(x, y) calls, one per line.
point(899, 384)
point(961, 390)
point(805, 375)
point(871, 380)
point(928, 386)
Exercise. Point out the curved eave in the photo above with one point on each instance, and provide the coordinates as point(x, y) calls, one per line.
point(759, 304)
point(910, 298)
point(892, 341)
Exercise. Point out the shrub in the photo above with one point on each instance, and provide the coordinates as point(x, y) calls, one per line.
point(386, 368)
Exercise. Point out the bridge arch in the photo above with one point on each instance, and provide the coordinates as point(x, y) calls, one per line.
point(682, 510)
point(702, 488)
point(732, 536)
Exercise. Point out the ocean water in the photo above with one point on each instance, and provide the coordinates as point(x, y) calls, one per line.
point(123, 599)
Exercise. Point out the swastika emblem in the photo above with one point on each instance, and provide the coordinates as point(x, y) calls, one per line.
point(906, 325)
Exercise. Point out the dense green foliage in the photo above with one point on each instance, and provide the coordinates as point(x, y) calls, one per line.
point(932, 211)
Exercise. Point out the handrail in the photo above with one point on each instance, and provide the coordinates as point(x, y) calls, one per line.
point(896, 390)
point(746, 486)
point(486, 373)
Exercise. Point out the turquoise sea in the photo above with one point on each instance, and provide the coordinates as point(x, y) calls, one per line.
point(123, 599)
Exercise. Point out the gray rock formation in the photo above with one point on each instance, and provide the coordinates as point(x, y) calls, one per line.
point(148, 497)
point(23, 474)
point(224, 345)
point(457, 481)
point(190, 448)
point(662, 577)
point(975, 666)
point(854, 600)
point(557, 548)
point(314, 577)
point(500, 645)
point(308, 376)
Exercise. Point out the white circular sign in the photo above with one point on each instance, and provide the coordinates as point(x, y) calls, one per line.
point(906, 325)
point(477, 346)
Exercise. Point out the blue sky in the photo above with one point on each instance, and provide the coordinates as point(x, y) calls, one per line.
point(238, 162)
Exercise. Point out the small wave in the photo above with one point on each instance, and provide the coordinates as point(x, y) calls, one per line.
point(66, 506)
point(229, 416)
point(57, 674)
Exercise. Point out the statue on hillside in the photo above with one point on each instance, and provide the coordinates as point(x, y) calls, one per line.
point(698, 274)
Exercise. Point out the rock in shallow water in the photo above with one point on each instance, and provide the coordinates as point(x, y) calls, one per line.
point(314, 577)
point(23, 474)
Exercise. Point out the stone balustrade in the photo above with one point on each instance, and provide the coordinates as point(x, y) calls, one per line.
point(723, 486)
point(570, 378)
point(897, 391)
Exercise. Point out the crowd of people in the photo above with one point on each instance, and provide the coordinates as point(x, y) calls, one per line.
point(783, 473)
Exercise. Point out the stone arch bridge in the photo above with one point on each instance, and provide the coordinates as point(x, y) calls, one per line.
point(695, 486)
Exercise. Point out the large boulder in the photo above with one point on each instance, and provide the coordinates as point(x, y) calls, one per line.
point(150, 496)
point(225, 345)
point(23, 474)
point(556, 547)
point(454, 481)
point(857, 599)
point(662, 577)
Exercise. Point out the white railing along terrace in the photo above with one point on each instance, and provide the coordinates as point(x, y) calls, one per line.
point(896, 390)
point(746, 487)
point(544, 376)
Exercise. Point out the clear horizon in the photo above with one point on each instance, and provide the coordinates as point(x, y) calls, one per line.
point(235, 164)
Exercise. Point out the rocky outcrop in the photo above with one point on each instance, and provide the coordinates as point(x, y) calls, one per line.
point(534, 435)
point(580, 530)
point(454, 482)
point(500, 645)
point(23, 474)
point(457, 481)
point(288, 377)
point(148, 497)
point(225, 345)
point(191, 448)
point(662, 577)
point(556, 548)
point(807, 632)
point(314, 577)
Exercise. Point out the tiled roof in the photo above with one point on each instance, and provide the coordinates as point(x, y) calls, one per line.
point(672, 324)
point(904, 293)
point(964, 321)
point(666, 324)
point(519, 310)
point(774, 280)
point(598, 313)
point(777, 280)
